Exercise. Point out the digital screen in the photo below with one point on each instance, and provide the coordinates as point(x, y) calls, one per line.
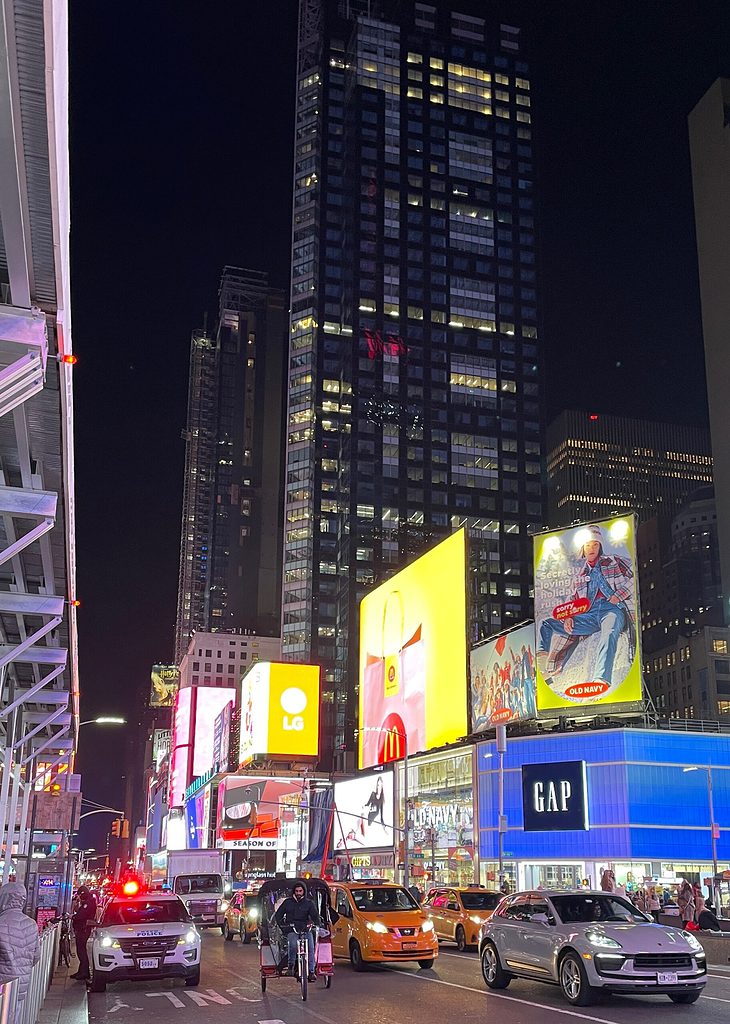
point(364, 816)
point(413, 672)
point(279, 711)
point(502, 674)
point(588, 649)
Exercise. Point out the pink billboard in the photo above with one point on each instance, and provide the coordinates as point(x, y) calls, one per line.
point(180, 747)
point(210, 701)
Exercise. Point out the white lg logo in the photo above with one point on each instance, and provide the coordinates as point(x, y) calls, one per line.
point(293, 702)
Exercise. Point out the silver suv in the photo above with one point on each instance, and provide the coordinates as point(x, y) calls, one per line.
point(588, 943)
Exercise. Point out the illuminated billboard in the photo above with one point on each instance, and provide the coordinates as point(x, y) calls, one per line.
point(180, 747)
point(164, 683)
point(209, 702)
point(586, 616)
point(258, 812)
point(279, 711)
point(413, 670)
point(364, 815)
point(502, 674)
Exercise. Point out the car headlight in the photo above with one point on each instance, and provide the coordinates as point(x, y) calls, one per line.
point(253, 913)
point(427, 926)
point(106, 941)
point(377, 926)
point(219, 904)
point(474, 919)
point(692, 942)
point(188, 938)
point(602, 941)
point(224, 905)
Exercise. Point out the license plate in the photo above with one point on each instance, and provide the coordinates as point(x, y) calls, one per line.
point(667, 978)
point(410, 945)
point(150, 963)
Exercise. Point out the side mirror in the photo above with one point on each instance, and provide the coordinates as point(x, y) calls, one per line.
point(541, 919)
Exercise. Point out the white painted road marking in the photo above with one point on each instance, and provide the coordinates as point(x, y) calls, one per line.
point(209, 996)
point(170, 995)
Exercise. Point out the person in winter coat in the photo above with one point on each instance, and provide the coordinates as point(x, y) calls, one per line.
point(83, 915)
point(19, 943)
point(608, 881)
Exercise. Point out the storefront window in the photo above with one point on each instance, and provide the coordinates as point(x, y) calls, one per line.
point(440, 820)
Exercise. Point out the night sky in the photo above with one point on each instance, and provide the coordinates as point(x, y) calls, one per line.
point(181, 157)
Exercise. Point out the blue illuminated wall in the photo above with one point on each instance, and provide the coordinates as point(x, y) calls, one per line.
point(641, 805)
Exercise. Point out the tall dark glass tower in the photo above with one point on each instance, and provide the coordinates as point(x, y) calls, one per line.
point(414, 367)
point(230, 550)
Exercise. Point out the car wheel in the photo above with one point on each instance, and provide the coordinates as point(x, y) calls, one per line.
point(193, 980)
point(426, 965)
point(245, 936)
point(574, 982)
point(460, 939)
point(97, 984)
point(263, 983)
point(223, 928)
point(227, 933)
point(358, 964)
point(492, 971)
point(684, 997)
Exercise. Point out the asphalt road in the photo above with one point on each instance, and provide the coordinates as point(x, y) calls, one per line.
point(451, 993)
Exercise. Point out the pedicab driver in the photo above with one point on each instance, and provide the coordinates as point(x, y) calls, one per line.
point(294, 914)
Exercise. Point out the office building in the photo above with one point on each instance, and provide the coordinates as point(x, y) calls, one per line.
point(709, 136)
point(689, 678)
point(230, 550)
point(222, 659)
point(600, 465)
point(414, 360)
point(679, 572)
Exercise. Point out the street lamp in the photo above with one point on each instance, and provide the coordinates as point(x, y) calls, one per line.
point(401, 736)
point(711, 805)
point(104, 720)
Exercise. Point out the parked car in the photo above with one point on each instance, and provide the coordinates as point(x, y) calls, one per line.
point(588, 943)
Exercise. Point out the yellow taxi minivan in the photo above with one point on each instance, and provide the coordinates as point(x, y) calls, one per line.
point(241, 916)
point(458, 912)
point(380, 922)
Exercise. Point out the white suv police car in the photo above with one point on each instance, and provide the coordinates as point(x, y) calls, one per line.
point(142, 937)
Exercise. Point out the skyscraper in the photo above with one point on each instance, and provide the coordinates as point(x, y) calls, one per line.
point(600, 464)
point(230, 550)
point(709, 136)
point(414, 404)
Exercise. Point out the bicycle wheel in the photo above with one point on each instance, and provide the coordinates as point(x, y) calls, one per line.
point(303, 970)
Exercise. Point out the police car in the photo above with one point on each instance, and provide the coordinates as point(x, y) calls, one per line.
point(143, 936)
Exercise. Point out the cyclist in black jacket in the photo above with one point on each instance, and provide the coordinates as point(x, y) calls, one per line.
point(294, 915)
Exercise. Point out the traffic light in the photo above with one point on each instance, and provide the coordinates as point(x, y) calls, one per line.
point(125, 828)
point(117, 828)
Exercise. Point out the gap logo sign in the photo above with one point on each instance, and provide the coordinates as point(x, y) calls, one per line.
point(555, 797)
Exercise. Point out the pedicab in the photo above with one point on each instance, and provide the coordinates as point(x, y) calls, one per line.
point(273, 943)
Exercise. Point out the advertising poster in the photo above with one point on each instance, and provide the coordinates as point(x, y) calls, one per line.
point(413, 671)
point(255, 812)
point(164, 682)
point(209, 702)
point(364, 818)
point(502, 674)
point(279, 711)
point(586, 616)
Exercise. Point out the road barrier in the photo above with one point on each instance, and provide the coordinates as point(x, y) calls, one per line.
point(26, 1012)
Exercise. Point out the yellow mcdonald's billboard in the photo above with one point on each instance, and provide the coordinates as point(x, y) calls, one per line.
point(413, 661)
point(279, 711)
point(586, 616)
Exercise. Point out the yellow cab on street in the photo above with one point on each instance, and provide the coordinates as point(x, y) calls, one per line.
point(241, 916)
point(458, 912)
point(380, 922)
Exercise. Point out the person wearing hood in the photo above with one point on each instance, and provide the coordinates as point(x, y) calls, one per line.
point(20, 946)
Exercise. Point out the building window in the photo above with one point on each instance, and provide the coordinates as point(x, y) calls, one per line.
point(719, 646)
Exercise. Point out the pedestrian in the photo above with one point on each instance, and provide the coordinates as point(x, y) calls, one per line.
point(706, 917)
point(652, 904)
point(641, 900)
point(686, 902)
point(19, 942)
point(608, 880)
point(82, 918)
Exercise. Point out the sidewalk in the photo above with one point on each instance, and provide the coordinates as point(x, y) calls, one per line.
point(66, 1001)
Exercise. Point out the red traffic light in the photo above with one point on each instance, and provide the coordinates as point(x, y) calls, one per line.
point(70, 359)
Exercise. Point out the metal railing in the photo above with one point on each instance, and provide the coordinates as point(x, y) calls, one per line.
point(26, 1012)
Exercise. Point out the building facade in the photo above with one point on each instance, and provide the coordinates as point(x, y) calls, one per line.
point(599, 465)
point(689, 677)
point(414, 368)
point(230, 551)
point(221, 659)
point(709, 136)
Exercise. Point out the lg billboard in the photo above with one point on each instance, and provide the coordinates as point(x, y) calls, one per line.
point(279, 712)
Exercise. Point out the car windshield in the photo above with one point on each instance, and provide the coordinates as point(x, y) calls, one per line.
point(584, 909)
point(145, 912)
point(185, 884)
point(480, 900)
point(378, 900)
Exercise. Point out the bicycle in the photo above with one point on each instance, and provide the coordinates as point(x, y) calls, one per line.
point(303, 961)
